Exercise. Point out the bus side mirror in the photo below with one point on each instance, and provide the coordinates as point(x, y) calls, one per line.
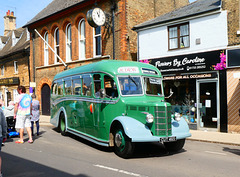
point(171, 93)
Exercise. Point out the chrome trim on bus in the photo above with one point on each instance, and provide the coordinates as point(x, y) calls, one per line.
point(88, 137)
point(92, 100)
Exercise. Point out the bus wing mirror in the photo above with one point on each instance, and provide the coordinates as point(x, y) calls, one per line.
point(171, 93)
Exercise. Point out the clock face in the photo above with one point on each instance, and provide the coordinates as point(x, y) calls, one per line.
point(98, 16)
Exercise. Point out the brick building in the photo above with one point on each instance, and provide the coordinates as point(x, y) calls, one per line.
point(233, 64)
point(213, 28)
point(63, 24)
point(14, 59)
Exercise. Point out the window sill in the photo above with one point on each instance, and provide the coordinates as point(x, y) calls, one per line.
point(73, 62)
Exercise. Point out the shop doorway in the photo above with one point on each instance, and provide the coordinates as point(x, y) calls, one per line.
point(207, 104)
point(45, 95)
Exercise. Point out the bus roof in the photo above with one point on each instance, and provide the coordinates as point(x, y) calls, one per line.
point(113, 67)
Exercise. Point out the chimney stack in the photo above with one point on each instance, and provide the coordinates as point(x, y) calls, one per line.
point(9, 22)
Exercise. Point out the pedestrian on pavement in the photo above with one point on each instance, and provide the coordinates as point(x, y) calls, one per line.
point(9, 114)
point(35, 114)
point(1, 104)
point(3, 135)
point(9, 111)
point(22, 112)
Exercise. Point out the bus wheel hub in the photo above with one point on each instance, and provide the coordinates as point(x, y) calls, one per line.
point(118, 139)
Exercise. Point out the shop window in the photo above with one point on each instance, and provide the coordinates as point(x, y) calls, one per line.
point(183, 99)
point(97, 42)
point(69, 42)
point(82, 39)
point(178, 36)
point(46, 54)
point(56, 44)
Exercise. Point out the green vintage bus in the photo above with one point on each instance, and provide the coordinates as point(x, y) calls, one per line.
point(117, 104)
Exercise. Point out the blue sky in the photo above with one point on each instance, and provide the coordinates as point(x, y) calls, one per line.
point(24, 10)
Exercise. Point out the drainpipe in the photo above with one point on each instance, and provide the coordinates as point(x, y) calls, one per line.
point(113, 21)
point(33, 45)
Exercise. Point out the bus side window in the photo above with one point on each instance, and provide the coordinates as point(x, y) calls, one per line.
point(60, 88)
point(97, 85)
point(68, 87)
point(77, 84)
point(110, 87)
point(87, 85)
point(54, 89)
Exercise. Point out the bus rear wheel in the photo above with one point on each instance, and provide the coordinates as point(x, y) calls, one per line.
point(175, 146)
point(62, 125)
point(123, 147)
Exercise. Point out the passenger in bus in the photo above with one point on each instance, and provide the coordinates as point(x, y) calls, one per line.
point(85, 88)
point(97, 90)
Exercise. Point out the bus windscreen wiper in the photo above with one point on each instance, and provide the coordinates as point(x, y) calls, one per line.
point(132, 80)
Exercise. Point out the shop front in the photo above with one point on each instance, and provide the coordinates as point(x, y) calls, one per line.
point(195, 89)
point(8, 89)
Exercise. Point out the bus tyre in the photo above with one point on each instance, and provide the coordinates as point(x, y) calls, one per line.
point(175, 146)
point(123, 147)
point(62, 125)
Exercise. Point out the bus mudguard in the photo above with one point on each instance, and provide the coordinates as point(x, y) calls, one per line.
point(137, 131)
point(180, 129)
point(55, 119)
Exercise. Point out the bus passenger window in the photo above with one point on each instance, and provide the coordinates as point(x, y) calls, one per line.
point(87, 84)
point(97, 85)
point(77, 86)
point(68, 87)
point(54, 89)
point(60, 88)
point(110, 87)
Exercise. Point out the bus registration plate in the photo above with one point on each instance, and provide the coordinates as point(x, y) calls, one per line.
point(168, 139)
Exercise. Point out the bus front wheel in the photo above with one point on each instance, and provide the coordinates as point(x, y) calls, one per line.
point(123, 147)
point(175, 146)
point(62, 125)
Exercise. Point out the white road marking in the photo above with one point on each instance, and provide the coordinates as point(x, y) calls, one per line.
point(218, 153)
point(119, 171)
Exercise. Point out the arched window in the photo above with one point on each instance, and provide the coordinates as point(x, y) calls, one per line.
point(56, 44)
point(68, 43)
point(82, 39)
point(46, 55)
point(97, 41)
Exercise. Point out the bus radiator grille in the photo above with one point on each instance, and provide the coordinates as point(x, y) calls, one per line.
point(163, 121)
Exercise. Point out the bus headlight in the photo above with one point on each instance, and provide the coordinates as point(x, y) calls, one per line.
point(149, 118)
point(177, 117)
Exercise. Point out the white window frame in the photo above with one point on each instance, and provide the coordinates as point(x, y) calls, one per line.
point(68, 43)
point(56, 45)
point(94, 42)
point(15, 94)
point(16, 67)
point(82, 39)
point(46, 53)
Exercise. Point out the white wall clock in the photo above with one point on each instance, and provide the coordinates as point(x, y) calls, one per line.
point(96, 17)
